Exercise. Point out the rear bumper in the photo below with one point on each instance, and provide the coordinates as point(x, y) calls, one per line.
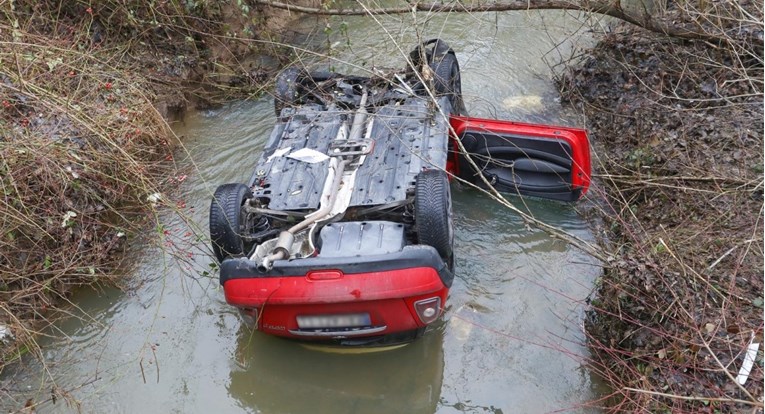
point(384, 287)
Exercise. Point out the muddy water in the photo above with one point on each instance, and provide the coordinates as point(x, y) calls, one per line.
point(511, 339)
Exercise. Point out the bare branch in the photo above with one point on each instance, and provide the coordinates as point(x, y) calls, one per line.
point(692, 398)
point(613, 9)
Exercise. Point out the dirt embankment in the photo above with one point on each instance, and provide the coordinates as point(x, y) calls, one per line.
point(678, 134)
point(85, 149)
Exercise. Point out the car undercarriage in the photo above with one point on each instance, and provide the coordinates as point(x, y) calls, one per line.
point(344, 234)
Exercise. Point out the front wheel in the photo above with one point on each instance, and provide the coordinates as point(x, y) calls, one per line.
point(446, 79)
point(441, 61)
point(287, 91)
point(227, 220)
point(433, 212)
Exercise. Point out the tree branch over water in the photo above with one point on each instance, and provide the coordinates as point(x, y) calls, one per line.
point(687, 27)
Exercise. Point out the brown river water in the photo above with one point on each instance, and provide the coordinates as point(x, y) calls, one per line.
point(511, 340)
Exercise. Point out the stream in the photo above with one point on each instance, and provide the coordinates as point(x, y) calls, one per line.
point(511, 339)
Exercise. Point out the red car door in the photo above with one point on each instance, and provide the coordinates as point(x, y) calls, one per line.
point(543, 161)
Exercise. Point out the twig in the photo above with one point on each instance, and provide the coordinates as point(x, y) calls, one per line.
point(692, 398)
point(725, 370)
point(143, 374)
point(156, 362)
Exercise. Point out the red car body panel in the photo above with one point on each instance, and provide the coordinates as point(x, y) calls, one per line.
point(388, 297)
point(348, 288)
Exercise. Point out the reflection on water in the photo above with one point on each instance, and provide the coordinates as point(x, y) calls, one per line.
point(280, 376)
point(511, 337)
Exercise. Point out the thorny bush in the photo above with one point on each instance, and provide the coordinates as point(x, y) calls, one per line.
point(678, 133)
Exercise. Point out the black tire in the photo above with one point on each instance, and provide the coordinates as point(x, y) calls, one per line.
point(433, 212)
point(447, 80)
point(287, 90)
point(226, 220)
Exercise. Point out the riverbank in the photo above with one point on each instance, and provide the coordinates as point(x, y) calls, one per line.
point(86, 153)
point(678, 134)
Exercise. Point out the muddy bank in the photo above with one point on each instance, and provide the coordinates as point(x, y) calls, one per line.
point(86, 154)
point(678, 134)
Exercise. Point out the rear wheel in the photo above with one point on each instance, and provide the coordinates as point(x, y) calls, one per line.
point(226, 221)
point(433, 212)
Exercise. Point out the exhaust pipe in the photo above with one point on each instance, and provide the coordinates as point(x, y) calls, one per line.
point(287, 237)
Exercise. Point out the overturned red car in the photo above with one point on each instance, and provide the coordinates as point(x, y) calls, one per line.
point(343, 234)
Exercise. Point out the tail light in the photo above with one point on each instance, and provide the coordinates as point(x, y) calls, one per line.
point(428, 309)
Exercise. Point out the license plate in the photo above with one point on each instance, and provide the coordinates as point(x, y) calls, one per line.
point(333, 321)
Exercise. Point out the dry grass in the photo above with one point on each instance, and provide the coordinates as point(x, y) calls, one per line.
point(81, 149)
point(82, 143)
